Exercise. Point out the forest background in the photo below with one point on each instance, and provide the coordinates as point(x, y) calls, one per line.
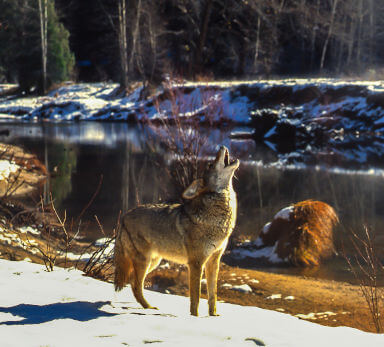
point(46, 41)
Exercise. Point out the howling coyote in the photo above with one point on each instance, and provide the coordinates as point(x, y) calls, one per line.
point(193, 233)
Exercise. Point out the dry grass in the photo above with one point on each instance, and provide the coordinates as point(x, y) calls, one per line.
point(307, 237)
point(367, 268)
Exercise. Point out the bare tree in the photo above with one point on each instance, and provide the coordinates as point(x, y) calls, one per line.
point(330, 32)
point(205, 15)
point(43, 14)
point(123, 45)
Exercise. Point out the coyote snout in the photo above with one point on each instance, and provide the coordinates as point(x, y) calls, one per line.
point(193, 233)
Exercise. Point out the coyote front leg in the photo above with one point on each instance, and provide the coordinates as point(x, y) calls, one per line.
point(211, 273)
point(195, 274)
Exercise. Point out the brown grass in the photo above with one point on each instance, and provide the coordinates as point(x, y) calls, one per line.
point(307, 237)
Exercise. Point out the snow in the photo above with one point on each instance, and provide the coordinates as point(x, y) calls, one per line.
point(264, 231)
point(6, 168)
point(274, 297)
point(4, 87)
point(267, 253)
point(285, 213)
point(270, 132)
point(29, 229)
point(64, 308)
point(243, 288)
point(289, 297)
point(314, 316)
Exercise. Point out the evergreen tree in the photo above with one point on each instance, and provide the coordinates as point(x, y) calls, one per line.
point(60, 59)
point(20, 45)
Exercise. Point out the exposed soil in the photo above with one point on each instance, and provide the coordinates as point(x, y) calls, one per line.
point(321, 301)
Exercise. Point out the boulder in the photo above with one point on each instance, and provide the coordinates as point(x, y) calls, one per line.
point(302, 234)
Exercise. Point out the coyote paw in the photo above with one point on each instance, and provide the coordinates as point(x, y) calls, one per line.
point(152, 307)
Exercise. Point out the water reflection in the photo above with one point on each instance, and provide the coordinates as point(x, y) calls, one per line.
point(129, 169)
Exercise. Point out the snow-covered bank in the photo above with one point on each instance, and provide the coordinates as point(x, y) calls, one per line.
point(232, 101)
point(63, 308)
point(310, 121)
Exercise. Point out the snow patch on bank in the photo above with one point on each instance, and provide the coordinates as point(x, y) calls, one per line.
point(7, 168)
point(210, 101)
point(64, 308)
point(284, 213)
point(250, 250)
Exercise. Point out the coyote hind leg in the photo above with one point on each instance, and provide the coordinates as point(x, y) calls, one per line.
point(141, 268)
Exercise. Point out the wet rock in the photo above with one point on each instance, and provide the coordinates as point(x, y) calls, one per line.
point(263, 121)
point(376, 100)
point(332, 95)
point(306, 94)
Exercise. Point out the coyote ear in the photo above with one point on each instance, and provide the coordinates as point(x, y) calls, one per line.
point(194, 189)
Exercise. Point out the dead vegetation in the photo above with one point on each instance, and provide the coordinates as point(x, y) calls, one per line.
point(180, 135)
point(367, 269)
point(20, 172)
point(36, 232)
point(306, 237)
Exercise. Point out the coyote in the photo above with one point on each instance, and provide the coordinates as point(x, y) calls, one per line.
point(195, 233)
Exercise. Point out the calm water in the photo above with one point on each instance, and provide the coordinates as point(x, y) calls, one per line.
point(121, 164)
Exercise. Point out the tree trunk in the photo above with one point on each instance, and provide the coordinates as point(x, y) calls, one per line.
point(359, 36)
point(196, 66)
point(372, 42)
point(135, 37)
point(314, 34)
point(122, 12)
point(330, 31)
point(351, 42)
point(43, 14)
point(341, 47)
point(257, 45)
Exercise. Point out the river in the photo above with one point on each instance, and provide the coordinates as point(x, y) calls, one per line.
point(100, 169)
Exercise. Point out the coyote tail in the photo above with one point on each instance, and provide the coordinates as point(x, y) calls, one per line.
point(123, 266)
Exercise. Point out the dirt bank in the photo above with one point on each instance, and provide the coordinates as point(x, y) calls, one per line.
point(321, 301)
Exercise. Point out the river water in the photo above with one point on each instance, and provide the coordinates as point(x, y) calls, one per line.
point(116, 165)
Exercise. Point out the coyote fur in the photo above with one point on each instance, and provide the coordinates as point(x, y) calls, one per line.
point(194, 233)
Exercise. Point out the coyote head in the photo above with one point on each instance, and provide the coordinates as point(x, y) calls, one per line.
point(217, 177)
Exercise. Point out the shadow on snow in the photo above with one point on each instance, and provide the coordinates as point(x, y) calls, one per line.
point(36, 314)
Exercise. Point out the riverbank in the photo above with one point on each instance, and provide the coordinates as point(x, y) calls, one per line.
point(65, 308)
point(329, 303)
point(325, 302)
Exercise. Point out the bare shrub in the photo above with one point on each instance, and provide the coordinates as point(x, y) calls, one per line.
point(59, 233)
point(180, 128)
point(53, 246)
point(367, 268)
point(100, 264)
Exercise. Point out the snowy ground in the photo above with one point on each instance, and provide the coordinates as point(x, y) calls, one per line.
point(64, 308)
